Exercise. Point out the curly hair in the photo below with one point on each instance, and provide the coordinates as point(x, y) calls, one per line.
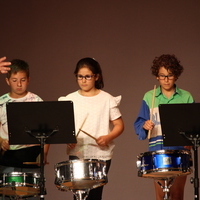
point(169, 62)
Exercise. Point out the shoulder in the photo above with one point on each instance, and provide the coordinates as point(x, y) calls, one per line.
point(33, 97)
point(68, 97)
point(4, 98)
point(107, 96)
point(148, 95)
point(184, 93)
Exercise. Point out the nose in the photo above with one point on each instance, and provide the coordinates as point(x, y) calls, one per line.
point(84, 79)
point(166, 78)
point(19, 83)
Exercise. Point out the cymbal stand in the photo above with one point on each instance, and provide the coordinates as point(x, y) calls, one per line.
point(167, 184)
point(81, 194)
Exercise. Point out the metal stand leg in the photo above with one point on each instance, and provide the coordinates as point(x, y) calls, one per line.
point(168, 183)
point(81, 194)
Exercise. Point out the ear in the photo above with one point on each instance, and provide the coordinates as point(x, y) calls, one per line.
point(157, 78)
point(28, 79)
point(7, 81)
point(97, 77)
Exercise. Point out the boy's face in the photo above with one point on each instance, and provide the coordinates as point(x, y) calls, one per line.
point(166, 79)
point(18, 84)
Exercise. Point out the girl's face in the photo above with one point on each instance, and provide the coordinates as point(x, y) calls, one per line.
point(18, 84)
point(166, 79)
point(86, 79)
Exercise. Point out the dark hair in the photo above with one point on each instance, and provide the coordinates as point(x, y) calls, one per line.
point(94, 66)
point(16, 66)
point(169, 62)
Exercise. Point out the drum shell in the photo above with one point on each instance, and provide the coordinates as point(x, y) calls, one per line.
point(80, 174)
point(19, 184)
point(164, 163)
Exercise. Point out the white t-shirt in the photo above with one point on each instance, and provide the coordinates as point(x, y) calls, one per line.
point(97, 111)
point(3, 116)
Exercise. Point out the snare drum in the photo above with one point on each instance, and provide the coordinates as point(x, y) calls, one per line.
point(80, 174)
point(19, 184)
point(164, 163)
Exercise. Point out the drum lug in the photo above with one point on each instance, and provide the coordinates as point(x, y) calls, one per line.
point(192, 180)
point(140, 174)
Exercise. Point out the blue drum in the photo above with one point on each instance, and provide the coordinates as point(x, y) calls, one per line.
point(164, 163)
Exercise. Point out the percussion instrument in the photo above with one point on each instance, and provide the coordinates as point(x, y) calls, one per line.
point(80, 174)
point(164, 163)
point(19, 184)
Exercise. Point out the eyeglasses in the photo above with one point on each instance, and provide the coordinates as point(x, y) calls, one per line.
point(162, 77)
point(87, 77)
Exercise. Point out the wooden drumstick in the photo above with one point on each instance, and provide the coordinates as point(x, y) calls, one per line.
point(81, 125)
point(88, 134)
point(152, 107)
point(79, 130)
point(31, 163)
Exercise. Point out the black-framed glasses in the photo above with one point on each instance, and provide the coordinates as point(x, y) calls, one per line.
point(169, 77)
point(86, 77)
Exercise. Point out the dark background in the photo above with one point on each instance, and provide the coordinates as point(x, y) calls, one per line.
point(124, 37)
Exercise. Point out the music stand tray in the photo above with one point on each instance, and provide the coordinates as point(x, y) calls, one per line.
point(181, 127)
point(177, 120)
point(55, 119)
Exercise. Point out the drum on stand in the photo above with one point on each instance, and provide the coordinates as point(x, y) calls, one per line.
point(164, 164)
point(19, 184)
point(80, 176)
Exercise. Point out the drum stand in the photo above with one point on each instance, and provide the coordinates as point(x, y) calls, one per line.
point(81, 194)
point(168, 183)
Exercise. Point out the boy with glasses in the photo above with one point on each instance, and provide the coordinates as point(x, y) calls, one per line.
point(167, 69)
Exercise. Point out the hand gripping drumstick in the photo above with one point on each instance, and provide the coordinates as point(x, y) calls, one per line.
point(152, 107)
point(90, 136)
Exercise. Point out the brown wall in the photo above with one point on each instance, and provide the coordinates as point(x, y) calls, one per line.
point(124, 36)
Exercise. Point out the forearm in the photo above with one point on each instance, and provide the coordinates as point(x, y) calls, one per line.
point(118, 128)
point(1, 140)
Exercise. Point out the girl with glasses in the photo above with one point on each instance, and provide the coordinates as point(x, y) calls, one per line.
point(97, 114)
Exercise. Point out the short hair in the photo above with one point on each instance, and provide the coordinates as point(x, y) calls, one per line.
point(16, 66)
point(169, 62)
point(94, 66)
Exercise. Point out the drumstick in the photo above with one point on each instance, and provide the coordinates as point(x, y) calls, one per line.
point(31, 163)
point(88, 134)
point(152, 107)
point(82, 125)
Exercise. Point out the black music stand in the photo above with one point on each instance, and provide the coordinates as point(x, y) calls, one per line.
point(50, 122)
point(181, 127)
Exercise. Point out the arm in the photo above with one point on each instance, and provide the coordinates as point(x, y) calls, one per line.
point(118, 127)
point(142, 123)
point(4, 144)
point(3, 65)
point(46, 150)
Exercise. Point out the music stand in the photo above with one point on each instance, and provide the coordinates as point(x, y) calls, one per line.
point(50, 122)
point(180, 125)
